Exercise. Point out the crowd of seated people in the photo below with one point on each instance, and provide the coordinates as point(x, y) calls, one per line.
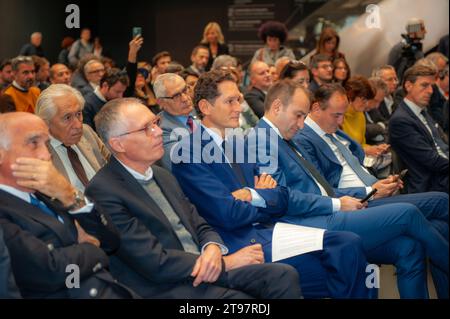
point(160, 180)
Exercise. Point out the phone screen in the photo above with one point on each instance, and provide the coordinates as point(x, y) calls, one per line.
point(137, 31)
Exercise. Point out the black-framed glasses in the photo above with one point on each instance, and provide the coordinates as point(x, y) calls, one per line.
point(148, 129)
point(178, 95)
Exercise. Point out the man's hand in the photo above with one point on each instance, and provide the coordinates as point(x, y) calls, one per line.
point(242, 194)
point(208, 266)
point(265, 181)
point(42, 176)
point(135, 45)
point(373, 150)
point(84, 237)
point(386, 187)
point(384, 147)
point(350, 203)
point(249, 255)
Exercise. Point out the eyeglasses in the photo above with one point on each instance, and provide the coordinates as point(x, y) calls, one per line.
point(326, 66)
point(148, 129)
point(176, 96)
point(97, 71)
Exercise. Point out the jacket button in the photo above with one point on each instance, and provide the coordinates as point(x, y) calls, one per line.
point(253, 240)
point(50, 247)
point(93, 292)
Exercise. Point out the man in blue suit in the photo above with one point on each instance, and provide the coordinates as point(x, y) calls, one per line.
point(415, 136)
point(340, 161)
point(394, 233)
point(243, 205)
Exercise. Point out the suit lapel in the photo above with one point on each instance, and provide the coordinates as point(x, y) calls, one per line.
point(86, 149)
point(58, 163)
point(63, 231)
point(418, 121)
point(320, 144)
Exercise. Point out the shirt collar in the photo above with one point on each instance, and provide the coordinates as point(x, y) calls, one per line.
point(55, 142)
point(413, 106)
point(441, 91)
point(213, 133)
point(15, 192)
point(140, 177)
point(99, 94)
point(315, 127)
point(17, 86)
point(272, 126)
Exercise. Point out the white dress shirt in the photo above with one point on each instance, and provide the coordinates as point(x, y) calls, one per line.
point(62, 153)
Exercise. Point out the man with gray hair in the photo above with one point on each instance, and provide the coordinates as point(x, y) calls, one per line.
point(34, 46)
point(22, 91)
point(172, 95)
point(260, 81)
point(388, 75)
point(167, 250)
point(76, 150)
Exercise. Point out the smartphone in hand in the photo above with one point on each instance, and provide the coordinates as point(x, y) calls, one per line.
point(137, 31)
point(365, 199)
point(402, 174)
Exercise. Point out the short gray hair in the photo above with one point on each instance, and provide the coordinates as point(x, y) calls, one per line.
point(379, 84)
point(435, 57)
point(21, 59)
point(160, 83)
point(224, 61)
point(45, 105)
point(109, 121)
point(376, 73)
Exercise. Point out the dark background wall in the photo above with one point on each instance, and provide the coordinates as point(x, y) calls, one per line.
point(172, 25)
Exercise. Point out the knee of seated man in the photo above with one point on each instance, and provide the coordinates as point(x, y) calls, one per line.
point(409, 249)
point(345, 238)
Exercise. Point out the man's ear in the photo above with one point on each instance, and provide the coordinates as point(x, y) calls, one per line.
point(314, 107)
point(204, 106)
point(116, 144)
point(276, 106)
point(408, 86)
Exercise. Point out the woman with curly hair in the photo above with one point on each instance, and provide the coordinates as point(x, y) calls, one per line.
point(273, 34)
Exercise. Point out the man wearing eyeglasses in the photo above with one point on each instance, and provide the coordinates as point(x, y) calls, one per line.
point(76, 150)
point(167, 250)
point(177, 117)
point(322, 71)
point(22, 91)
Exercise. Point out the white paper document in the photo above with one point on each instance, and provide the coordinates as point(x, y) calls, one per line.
point(292, 240)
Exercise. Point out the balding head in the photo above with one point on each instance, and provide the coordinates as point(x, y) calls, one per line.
point(21, 135)
point(260, 75)
point(36, 39)
point(60, 74)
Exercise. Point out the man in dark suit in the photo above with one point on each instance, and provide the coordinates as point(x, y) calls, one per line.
point(8, 288)
point(415, 137)
point(167, 249)
point(388, 105)
point(44, 219)
point(112, 86)
point(177, 117)
point(244, 205)
point(260, 82)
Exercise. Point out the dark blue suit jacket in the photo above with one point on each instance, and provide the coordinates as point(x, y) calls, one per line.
point(305, 198)
point(209, 185)
point(414, 144)
point(323, 157)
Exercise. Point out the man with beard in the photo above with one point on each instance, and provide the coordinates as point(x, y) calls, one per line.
point(22, 91)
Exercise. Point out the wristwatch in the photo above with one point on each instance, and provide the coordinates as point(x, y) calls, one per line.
point(79, 201)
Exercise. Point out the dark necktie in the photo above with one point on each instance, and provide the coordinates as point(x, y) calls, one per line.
point(228, 152)
point(190, 124)
point(41, 205)
point(312, 170)
point(76, 165)
point(353, 162)
point(434, 132)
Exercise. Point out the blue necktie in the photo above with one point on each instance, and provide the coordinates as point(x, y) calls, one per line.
point(41, 205)
point(353, 162)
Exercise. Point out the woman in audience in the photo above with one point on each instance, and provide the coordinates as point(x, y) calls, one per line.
point(341, 72)
point(329, 44)
point(214, 40)
point(297, 71)
point(359, 91)
point(144, 92)
point(273, 34)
